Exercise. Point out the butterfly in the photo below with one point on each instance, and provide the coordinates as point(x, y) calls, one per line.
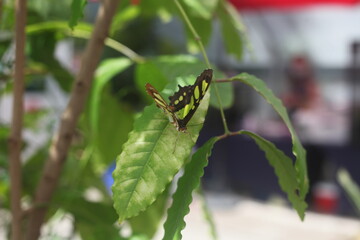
point(183, 103)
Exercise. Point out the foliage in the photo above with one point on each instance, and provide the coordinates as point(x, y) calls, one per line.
point(147, 148)
point(276, 103)
point(189, 181)
point(147, 163)
point(77, 8)
point(228, 18)
point(284, 170)
point(351, 188)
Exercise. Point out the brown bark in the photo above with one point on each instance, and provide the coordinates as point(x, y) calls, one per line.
point(15, 139)
point(61, 141)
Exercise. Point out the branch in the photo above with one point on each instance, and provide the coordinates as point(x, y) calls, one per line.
point(62, 140)
point(15, 139)
point(223, 80)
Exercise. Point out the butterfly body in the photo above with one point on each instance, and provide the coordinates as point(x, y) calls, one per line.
point(183, 103)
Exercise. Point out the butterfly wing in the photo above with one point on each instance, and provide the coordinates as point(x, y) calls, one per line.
point(160, 103)
point(187, 99)
point(159, 100)
point(182, 97)
point(197, 93)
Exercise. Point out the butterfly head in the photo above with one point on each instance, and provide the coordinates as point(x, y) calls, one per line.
point(181, 129)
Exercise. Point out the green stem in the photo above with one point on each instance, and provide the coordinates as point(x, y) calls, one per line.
point(110, 43)
point(202, 49)
point(221, 109)
point(82, 31)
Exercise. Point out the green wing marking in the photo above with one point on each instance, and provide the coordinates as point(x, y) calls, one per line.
point(186, 100)
point(197, 93)
point(181, 97)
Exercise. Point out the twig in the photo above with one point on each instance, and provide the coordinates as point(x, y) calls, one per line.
point(223, 80)
point(84, 34)
point(62, 140)
point(111, 43)
point(15, 139)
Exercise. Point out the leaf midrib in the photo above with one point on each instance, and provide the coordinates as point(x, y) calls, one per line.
point(146, 163)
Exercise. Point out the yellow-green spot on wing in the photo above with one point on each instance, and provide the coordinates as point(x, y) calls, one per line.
point(159, 102)
point(197, 93)
point(183, 103)
point(204, 87)
point(188, 107)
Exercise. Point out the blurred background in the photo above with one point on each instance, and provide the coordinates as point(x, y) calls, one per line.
point(308, 53)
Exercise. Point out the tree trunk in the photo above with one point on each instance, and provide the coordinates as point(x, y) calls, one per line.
point(15, 140)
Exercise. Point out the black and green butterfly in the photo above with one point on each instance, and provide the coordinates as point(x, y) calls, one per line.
point(184, 102)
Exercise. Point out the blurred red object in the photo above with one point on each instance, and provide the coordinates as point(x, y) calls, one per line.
point(326, 197)
point(285, 4)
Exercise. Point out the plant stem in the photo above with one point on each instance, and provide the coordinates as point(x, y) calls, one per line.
point(113, 44)
point(202, 49)
point(62, 139)
point(229, 134)
point(15, 140)
point(221, 109)
point(82, 31)
point(223, 80)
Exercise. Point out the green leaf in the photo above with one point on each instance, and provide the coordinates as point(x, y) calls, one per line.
point(111, 122)
point(104, 73)
point(226, 93)
point(162, 70)
point(201, 8)
point(182, 198)
point(30, 171)
point(115, 121)
point(298, 150)
point(123, 17)
point(156, 8)
point(98, 223)
point(199, 14)
point(231, 27)
point(284, 170)
point(42, 49)
point(101, 213)
point(7, 16)
point(351, 188)
point(203, 28)
point(147, 222)
point(77, 9)
point(82, 31)
point(153, 154)
point(94, 232)
point(149, 72)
